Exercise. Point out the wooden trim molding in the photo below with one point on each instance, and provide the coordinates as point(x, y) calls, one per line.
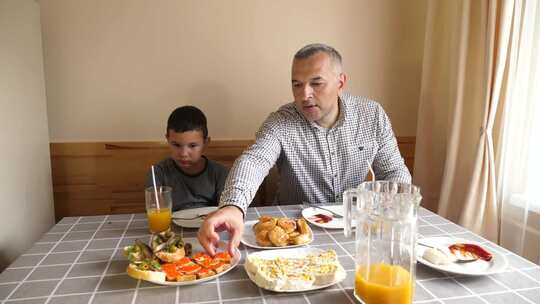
point(92, 178)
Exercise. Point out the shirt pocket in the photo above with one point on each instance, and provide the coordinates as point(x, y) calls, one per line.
point(365, 151)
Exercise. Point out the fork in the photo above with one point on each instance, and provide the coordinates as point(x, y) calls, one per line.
point(190, 218)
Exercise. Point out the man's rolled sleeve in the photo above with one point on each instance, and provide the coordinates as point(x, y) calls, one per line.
point(250, 169)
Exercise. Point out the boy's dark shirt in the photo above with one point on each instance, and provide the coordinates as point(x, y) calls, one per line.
point(190, 191)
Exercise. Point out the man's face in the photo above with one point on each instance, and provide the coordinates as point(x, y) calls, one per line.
point(316, 86)
point(186, 149)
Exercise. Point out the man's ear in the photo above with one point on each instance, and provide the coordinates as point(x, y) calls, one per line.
point(342, 81)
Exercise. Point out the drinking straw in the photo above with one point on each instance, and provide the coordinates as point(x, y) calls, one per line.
point(155, 188)
point(372, 173)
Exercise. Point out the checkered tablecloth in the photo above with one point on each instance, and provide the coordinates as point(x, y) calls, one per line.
point(80, 261)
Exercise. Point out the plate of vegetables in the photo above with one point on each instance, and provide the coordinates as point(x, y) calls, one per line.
point(171, 260)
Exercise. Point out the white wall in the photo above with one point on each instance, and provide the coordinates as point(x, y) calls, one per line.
point(26, 205)
point(115, 69)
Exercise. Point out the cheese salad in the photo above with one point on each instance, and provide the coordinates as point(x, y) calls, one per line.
point(298, 273)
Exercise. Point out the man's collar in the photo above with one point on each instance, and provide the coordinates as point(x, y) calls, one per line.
point(342, 113)
point(339, 122)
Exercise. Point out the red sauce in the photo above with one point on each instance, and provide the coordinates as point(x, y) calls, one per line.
point(471, 249)
point(321, 218)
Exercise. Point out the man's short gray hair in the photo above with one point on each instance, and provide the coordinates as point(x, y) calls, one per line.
point(314, 48)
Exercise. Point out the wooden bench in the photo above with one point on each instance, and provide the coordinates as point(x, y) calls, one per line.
point(93, 178)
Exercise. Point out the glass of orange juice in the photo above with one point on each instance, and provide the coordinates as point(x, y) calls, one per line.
point(158, 207)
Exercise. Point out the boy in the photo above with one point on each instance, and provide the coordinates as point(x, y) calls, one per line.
point(195, 180)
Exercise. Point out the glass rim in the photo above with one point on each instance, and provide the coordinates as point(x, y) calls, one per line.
point(414, 188)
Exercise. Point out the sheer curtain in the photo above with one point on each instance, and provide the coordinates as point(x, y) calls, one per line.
point(518, 149)
point(477, 154)
point(465, 59)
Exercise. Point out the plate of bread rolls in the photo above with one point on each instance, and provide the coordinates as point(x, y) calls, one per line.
point(269, 232)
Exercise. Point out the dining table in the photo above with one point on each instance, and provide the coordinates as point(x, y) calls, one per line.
point(80, 260)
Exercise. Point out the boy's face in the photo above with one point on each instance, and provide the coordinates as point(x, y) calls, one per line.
point(187, 149)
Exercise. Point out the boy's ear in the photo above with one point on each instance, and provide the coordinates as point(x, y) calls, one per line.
point(207, 140)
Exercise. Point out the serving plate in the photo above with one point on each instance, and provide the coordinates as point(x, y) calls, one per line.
point(498, 262)
point(191, 218)
point(294, 253)
point(248, 238)
point(335, 223)
point(198, 248)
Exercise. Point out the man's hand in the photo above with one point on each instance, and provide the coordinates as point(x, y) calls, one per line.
point(228, 218)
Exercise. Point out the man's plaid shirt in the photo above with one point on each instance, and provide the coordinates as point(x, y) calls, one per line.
point(317, 164)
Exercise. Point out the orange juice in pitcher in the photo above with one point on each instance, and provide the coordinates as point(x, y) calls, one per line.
point(383, 284)
point(385, 216)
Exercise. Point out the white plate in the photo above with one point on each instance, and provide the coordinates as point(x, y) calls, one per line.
point(294, 253)
point(335, 223)
point(190, 213)
point(248, 238)
point(197, 248)
point(477, 268)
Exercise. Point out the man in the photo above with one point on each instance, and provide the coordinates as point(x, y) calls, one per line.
point(322, 144)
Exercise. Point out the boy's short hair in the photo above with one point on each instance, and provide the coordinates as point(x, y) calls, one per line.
point(187, 118)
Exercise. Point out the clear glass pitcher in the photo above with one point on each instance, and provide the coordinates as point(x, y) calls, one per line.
point(385, 216)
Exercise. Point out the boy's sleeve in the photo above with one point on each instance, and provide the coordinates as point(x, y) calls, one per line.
point(220, 181)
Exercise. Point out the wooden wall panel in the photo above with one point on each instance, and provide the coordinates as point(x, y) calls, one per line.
point(108, 177)
point(406, 147)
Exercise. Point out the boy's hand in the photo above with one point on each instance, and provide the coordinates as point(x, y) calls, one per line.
point(228, 218)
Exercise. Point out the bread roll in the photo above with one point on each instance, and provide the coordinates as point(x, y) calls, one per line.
point(148, 275)
point(278, 236)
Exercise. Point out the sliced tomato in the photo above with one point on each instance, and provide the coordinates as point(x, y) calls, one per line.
point(199, 257)
point(204, 271)
point(204, 263)
point(190, 269)
point(183, 261)
point(208, 263)
point(214, 264)
point(170, 271)
point(223, 257)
